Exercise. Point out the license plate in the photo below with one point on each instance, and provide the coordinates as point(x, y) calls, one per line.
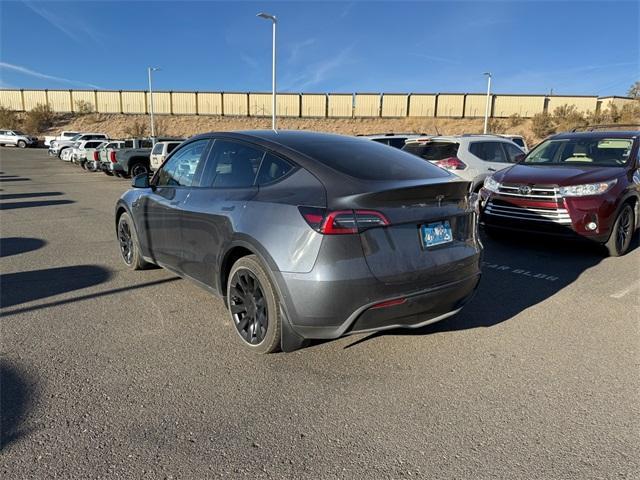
point(436, 233)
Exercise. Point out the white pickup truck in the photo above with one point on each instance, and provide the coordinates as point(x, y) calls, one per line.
point(65, 135)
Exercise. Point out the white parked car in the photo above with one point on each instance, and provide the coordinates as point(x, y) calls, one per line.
point(471, 157)
point(160, 151)
point(17, 139)
point(93, 160)
point(396, 140)
point(58, 146)
point(518, 140)
point(64, 135)
point(83, 149)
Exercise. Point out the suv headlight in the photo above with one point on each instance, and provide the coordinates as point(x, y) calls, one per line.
point(491, 184)
point(587, 189)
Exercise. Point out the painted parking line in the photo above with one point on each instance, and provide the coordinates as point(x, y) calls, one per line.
point(626, 291)
point(520, 271)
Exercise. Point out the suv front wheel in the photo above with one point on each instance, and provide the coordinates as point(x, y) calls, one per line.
point(622, 232)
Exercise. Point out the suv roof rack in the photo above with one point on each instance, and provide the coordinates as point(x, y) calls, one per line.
point(591, 128)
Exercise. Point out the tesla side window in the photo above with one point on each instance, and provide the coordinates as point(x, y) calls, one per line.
point(272, 168)
point(180, 170)
point(232, 165)
point(488, 151)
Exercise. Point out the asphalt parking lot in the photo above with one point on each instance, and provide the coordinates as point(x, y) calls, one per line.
point(118, 374)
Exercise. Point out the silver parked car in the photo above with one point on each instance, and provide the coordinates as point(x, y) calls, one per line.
point(471, 157)
point(17, 139)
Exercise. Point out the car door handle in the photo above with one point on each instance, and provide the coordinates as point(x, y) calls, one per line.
point(173, 204)
point(492, 169)
point(228, 208)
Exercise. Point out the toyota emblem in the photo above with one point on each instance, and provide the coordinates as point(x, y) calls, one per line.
point(524, 189)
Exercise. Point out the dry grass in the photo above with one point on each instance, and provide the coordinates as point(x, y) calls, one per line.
point(186, 125)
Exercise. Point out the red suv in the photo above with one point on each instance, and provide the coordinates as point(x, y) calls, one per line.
point(579, 183)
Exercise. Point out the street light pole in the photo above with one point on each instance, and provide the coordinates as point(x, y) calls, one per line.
point(274, 21)
point(153, 127)
point(486, 109)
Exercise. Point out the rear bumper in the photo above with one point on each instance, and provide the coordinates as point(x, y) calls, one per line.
point(336, 297)
point(418, 309)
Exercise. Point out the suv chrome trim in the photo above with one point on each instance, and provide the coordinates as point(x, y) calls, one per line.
point(553, 215)
point(529, 191)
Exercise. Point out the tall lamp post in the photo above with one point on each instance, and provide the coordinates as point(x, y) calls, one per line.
point(274, 21)
point(153, 127)
point(486, 109)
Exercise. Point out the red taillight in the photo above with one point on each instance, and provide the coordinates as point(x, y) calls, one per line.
point(95, 156)
point(342, 222)
point(112, 157)
point(451, 163)
point(389, 303)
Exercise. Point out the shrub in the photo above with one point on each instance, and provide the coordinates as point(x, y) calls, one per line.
point(567, 117)
point(630, 113)
point(39, 119)
point(515, 120)
point(83, 107)
point(634, 90)
point(495, 126)
point(136, 129)
point(542, 125)
point(9, 119)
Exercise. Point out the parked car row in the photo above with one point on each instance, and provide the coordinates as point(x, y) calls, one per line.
point(314, 236)
point(123, 158)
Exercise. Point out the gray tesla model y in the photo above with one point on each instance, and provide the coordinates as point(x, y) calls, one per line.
point(306, 235)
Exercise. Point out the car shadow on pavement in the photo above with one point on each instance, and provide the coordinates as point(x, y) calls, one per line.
point(23, 287)
point(89, 296)
point(39, 203)
point(15, 196)
point(517, 273)
point(16, 245)
point(15, 401)
point(13, 179)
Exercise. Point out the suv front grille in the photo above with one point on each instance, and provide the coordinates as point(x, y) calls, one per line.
point(533, 192)
point(534, 214)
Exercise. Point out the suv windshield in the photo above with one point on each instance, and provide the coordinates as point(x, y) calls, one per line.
point(18, 132)
point(596, 151)
point(432, 150)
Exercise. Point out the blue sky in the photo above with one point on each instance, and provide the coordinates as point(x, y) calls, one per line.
point(330, 46)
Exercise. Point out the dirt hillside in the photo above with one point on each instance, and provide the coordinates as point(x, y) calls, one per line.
point(120, 126)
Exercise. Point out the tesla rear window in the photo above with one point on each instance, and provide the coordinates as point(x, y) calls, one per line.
point(432, 150)
point(369, 160)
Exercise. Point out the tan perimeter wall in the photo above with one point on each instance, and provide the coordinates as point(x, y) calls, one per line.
point(311, 105)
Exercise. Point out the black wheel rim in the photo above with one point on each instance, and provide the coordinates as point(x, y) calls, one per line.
point(126, 242)
point(248, 307)
point(138, 169)
point(624, 230)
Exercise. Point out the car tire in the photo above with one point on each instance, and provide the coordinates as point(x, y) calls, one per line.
point(22, 144)
point(253, 302)
point(622, 232)
point(138, 168)
point(129, 245)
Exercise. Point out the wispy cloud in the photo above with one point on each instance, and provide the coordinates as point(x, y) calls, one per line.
point(78, 34)
point(251, 61)
point(318, 72)
point(435, 58)
point(298, 47)
point(346, 10)
point(44, 76)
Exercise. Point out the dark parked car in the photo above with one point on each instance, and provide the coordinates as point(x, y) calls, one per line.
point(306, 235)
point(578, 184)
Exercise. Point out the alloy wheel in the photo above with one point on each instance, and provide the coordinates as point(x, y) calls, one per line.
point(624, 229)
point(126, 242)
point(248, 307)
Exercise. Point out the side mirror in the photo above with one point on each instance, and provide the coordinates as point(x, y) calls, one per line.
point(141, 181)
